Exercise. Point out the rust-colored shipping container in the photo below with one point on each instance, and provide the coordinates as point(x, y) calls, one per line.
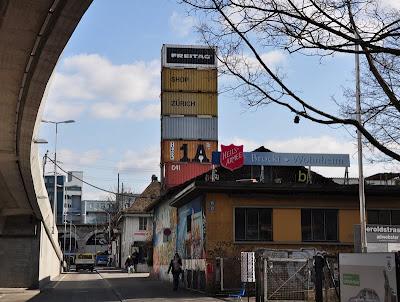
point(178, 173)
point(189, 80)
point(186, 103)
point(188, 151)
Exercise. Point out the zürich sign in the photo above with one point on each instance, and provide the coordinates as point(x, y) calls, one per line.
point(188, 56)
point(290, 159)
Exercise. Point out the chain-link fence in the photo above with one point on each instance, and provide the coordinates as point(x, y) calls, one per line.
point(283, 275)
point(287, 279)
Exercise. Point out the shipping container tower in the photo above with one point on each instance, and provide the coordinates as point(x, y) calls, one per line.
point(189, 112)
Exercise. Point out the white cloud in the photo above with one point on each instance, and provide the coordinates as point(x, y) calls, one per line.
point(151, 111)
point(181, 25)
point(141, 161)
point(83, 83)
point(107, 110)
point(392, 3)
point(322, 144)
point(73, 158)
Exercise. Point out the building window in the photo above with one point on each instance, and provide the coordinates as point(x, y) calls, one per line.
point(253, 224)
point(385, 217)
point(142, 223)
point(319, 225)
point(188, 223)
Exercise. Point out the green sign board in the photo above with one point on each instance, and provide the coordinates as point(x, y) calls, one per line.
point(351, 279)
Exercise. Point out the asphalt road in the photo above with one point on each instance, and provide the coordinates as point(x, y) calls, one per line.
point(105, 285)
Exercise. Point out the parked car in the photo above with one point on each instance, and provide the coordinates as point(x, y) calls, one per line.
point(85, 261)
point(102, 260)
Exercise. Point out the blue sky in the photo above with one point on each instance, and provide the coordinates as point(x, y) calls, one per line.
point(108, 80)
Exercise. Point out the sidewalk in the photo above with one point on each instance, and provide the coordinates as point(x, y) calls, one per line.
point(17, 294)
point(139, 287)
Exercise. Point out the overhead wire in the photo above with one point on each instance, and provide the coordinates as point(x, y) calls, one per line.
point(89, 184)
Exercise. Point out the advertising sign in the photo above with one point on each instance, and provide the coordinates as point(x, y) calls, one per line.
point(189, 80)
point(367, 277)
point(248, 265)
point(188, 151)
point(231, 157)
point(383, 233)
point(290, 159)
point(186, 103)
point(188, 56)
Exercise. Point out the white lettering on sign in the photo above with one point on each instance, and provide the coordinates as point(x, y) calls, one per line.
point(175, 167)
point(172, 151)
point(190, 56)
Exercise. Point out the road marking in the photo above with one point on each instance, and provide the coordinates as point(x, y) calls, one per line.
point(115, 292)
point(61, 279)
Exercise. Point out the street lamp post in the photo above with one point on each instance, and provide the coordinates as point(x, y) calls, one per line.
point(55, 170)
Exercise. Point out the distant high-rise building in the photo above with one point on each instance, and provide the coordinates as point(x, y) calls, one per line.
point(73, 194)
point(69, 196)
point(49, 183)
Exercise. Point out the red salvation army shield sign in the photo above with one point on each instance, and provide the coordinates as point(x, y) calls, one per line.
point(231, 157)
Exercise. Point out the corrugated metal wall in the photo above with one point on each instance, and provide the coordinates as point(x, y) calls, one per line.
point(188, 151)
point(189, 128)
point(189, 103)
point(189, 80)
point(178, 173)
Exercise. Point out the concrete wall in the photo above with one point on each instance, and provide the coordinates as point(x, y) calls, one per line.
point(49, 261)
point(18, 261)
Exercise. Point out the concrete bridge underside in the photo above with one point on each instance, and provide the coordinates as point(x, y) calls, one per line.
point(33, 34)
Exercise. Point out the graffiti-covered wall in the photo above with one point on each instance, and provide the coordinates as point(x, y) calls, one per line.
point(190, 240)
point(164, 245)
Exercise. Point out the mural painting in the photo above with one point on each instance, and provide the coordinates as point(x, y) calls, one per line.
point(163, 246)
point(190, 237)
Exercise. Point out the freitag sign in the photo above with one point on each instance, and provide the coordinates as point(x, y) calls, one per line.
point(187, 56)
point(231, 157)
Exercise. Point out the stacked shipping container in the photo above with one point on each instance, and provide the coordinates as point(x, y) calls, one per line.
point(189, 110)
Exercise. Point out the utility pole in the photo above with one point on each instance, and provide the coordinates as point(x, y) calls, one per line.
point(122, 197)
point(361, 189)
point(117, 197)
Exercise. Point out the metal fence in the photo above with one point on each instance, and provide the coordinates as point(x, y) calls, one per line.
point(287, 279)
point(283, 276)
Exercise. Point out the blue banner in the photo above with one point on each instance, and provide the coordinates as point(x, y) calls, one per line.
point(291, 159)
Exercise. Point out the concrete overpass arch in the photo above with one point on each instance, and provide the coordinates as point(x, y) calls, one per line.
point(33, 34)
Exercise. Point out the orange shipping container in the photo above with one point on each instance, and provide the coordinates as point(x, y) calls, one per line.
point(188, 151)
point(189, 103)
point(189, 80)
point(178, 173)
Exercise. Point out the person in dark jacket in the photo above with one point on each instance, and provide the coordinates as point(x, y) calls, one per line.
point(129, 264)
point(175, 266)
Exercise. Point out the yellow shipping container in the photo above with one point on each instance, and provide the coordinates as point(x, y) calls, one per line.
point(188, 151)
point(189, 103)
point(189, 80)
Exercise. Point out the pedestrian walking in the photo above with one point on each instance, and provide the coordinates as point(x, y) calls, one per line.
point(129, 264)
point(135, 260)
point(175, 266)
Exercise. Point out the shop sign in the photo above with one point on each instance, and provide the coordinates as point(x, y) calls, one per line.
point(231, 157)
point(290, 159)
point(188, 56)
point(383, 233)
